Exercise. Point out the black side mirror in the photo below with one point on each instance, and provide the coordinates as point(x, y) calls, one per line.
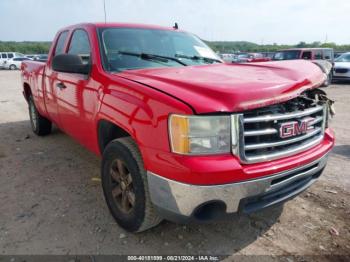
point(69, 63)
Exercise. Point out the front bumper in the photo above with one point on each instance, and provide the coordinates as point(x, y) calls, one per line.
point(180, 202)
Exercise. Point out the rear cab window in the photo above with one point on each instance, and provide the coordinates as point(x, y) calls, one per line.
point(10, 55)
point(59, 49)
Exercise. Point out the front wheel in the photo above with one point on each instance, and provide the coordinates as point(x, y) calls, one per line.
point(40, 125)
point(125, 187)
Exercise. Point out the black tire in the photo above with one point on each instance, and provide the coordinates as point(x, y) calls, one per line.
point(13, 67)
point(123, 152)
point(40, 125)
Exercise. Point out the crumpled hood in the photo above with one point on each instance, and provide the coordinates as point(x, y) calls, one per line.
point(232, 87)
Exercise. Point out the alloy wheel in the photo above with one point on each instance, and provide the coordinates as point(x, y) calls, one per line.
point(122, 186)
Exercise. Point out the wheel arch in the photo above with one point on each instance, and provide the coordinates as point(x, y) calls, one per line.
point(27, 92)
point(108, 131)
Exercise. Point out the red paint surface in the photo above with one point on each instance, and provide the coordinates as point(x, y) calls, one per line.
point(140, 101)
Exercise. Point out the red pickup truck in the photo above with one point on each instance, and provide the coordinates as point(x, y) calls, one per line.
point(182, 135)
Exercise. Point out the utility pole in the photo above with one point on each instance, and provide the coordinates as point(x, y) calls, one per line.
point(104, 9)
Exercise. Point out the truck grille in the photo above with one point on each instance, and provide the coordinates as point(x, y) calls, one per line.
point(261, 137)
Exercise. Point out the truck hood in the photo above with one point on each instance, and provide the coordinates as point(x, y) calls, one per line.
point(231, 87)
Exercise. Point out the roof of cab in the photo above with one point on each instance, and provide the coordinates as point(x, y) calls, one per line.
point(122, 25)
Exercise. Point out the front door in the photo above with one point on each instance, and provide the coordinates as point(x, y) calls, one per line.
point(50, 84)
point(77, 94)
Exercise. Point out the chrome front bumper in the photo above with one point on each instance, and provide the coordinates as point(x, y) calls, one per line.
point(178, 200)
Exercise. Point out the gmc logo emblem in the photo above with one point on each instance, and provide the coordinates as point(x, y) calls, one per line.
point(295, 128)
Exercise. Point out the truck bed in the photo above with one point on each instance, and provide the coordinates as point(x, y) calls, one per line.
point(30, 66)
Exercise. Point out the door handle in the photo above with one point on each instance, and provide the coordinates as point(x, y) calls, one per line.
point(61, 86)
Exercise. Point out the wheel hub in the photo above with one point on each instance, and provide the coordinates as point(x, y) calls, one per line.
point(122, 186)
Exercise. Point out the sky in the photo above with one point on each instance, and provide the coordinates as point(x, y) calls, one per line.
point(259, 21)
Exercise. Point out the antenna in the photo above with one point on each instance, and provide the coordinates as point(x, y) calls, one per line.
point(104, 9)
point(176, 26)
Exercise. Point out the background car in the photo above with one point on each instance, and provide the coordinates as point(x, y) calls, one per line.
point(306, 54)
point(268, 54)
point(229, 58)
point(31, 56)
point(251, 57)
point(4, 56)
point(322, 57)
point(14, 63)
point(341, 69)
point(40, 57)
point(258, 57)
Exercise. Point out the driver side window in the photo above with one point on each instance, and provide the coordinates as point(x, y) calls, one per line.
point(80, 45)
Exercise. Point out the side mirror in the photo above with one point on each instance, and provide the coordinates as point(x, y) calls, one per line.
point(69, 63)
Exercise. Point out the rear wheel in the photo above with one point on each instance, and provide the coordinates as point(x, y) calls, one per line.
point(125, 187)
point(13, 67)
point(40, 125)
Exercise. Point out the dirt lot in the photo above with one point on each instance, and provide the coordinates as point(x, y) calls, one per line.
point(52, 203)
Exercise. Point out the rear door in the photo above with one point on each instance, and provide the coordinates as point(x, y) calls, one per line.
point(77, 98)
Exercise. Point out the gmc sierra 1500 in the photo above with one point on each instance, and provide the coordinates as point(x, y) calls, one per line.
point(183, 136)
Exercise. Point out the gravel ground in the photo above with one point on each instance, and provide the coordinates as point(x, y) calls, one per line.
point(51, 200)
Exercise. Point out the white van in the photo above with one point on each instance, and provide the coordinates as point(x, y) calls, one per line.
point(4, 56)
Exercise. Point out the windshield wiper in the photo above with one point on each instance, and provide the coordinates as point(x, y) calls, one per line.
point(196, 58)
point(146, 56)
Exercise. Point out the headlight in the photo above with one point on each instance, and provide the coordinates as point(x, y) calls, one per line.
point(195, 135)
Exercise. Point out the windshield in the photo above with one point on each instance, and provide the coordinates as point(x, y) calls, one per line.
point(287, 55)
point(343, 58)
point(135, 48)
